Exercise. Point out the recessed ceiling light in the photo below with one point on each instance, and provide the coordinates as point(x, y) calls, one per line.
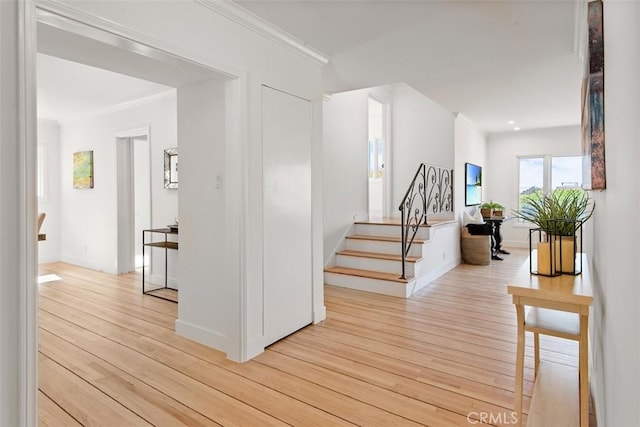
point(516, 128)
point(510, 122)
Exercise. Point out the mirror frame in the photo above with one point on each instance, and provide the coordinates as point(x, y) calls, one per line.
point(171, 173)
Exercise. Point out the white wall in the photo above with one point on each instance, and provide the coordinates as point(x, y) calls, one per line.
point(88, 223)
point(615, 328)
point(49, 140)
point(470, 147)
point(345, 165)
point(501, 173)
point(423, 132)
point(204, 290)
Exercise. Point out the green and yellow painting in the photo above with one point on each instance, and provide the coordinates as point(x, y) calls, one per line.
point(83, 169)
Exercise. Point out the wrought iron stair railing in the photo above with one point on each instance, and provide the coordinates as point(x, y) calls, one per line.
point(430, 190)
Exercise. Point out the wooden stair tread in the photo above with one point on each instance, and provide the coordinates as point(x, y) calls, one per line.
point(383, 238)
point(378, 255)
point(381, 275)
point(385, 221)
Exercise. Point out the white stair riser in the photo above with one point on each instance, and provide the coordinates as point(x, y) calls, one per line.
point(382, 247)
point(374, 264)
point(378, 286)
point(389, 230)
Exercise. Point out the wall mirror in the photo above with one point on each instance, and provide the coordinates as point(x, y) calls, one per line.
point(171, 168)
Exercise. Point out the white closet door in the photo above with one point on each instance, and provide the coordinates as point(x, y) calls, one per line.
point(286, 139)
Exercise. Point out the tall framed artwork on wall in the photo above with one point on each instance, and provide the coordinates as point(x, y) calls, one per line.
point(593, 135)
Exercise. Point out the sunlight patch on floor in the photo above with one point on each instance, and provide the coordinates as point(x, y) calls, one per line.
point(48, 278)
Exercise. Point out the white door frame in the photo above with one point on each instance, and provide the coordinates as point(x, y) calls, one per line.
point(24, 276)
point(126, 204)
point(19, 302)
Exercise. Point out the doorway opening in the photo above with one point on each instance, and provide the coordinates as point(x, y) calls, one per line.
point(68, 38)
point(376, 153)
point(134, 197)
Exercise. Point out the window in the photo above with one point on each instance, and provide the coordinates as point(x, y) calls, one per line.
point(531, 179)
point(566, 172)
point(540, 174)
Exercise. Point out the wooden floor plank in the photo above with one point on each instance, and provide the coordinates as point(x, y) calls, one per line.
point(147, 402)
point(445, 354)
point(201, 398)
point(52, 415)
point(80, 399)
point(371, 388)
point(253, 394)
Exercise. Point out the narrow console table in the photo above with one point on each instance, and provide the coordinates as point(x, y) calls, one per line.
point(557, 306)
point(163, 243)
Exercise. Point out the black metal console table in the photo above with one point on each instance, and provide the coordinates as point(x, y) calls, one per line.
point(165, 244)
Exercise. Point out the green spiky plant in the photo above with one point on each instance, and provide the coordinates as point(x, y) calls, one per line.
point(559, 212)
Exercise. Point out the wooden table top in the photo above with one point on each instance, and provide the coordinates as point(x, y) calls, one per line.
point(565, 288)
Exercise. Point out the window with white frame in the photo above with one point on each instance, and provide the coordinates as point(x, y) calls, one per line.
point(538, 175)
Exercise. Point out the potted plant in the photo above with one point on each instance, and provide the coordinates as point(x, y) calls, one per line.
point(489, 209)
point(558, 214)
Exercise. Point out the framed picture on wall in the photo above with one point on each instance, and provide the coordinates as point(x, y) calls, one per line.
point(472, 184)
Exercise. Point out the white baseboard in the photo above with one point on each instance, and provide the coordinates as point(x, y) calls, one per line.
point(83, 262)
point(254, 348)
point(319, 314)
point(515, 244)
point(158, 279)
point(210, 338)
point(48, 259)
point(424, 280)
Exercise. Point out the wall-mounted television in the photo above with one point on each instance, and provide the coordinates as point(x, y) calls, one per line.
point(472, 184)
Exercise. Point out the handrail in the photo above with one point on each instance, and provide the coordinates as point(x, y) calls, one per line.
point(434, 192)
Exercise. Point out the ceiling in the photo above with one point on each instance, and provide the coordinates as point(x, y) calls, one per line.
point(69, 90)
point(492, 61)
point(82, 71)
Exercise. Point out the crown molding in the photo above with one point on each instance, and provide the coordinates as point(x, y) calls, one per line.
point(250, 20)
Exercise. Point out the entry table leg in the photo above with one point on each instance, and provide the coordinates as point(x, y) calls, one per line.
point(519, 364)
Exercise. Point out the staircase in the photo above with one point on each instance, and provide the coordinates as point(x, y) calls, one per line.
point(372, 260)
point(373, 254)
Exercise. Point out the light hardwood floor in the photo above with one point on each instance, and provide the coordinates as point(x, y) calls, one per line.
point(109, 356)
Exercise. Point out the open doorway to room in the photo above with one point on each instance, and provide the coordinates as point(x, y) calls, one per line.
point(376, 154)
point(96, 225)
point(134, 197)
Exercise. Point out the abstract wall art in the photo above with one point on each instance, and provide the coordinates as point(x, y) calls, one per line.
point(83, 169)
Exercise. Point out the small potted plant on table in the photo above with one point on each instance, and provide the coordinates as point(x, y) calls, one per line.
point(489, 209)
